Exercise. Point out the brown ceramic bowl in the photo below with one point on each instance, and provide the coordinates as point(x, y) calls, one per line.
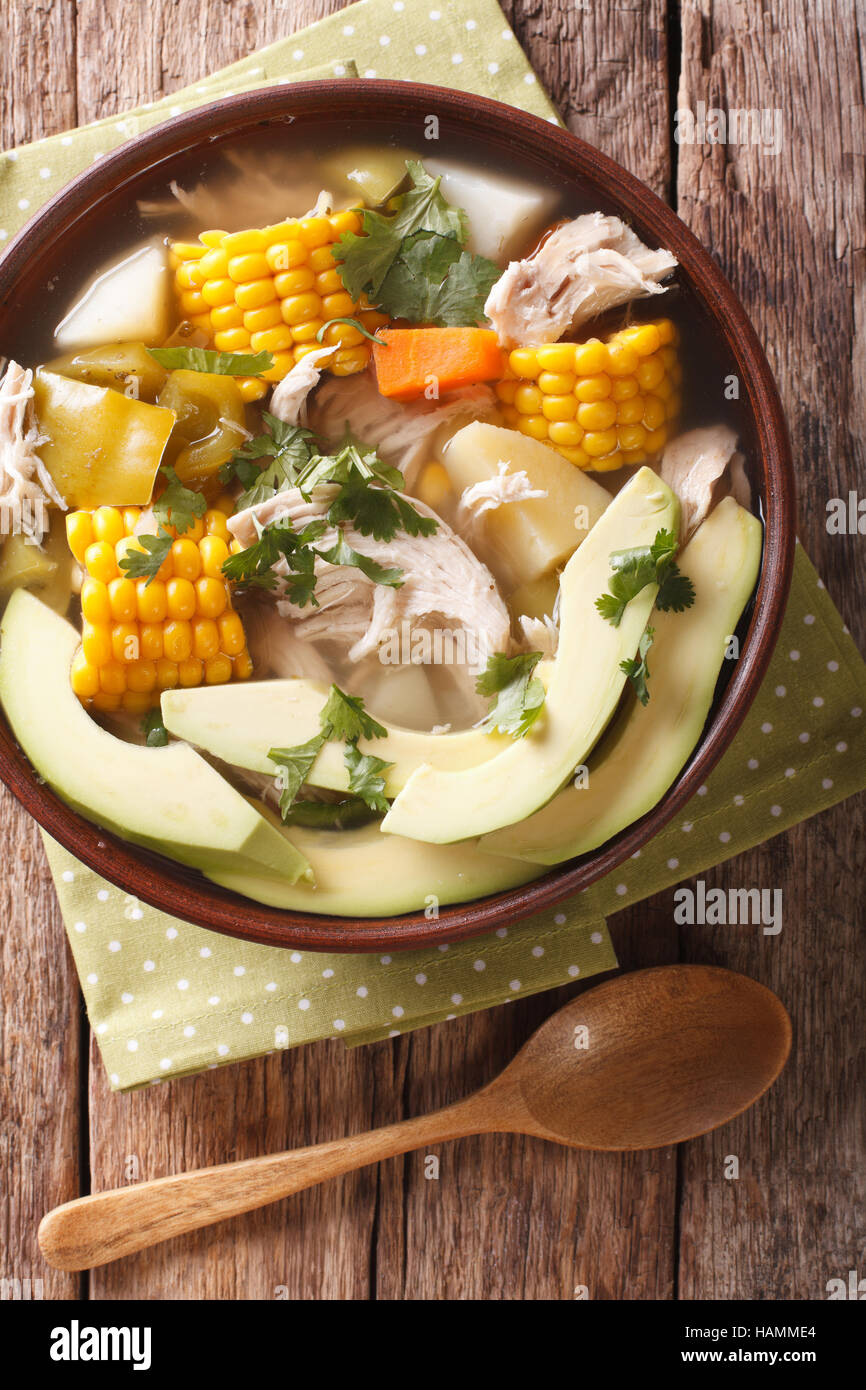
point(79, 212)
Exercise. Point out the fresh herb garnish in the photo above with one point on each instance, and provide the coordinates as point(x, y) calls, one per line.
point(155, 732)
point(341, 553)
point(288, 449)
point(519, 694)
point(353, 323)
point(412, 263)
point(636, 667)
point(253, 567)
point(330, 815)
point(367, 497)
point(178, 506)
point(146, 563)
point(196, 359)
point(342, 718)
point(634, 569)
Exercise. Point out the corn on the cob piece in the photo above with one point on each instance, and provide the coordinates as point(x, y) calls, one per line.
point(140, 638)
point(272, 289)
point(602, 405)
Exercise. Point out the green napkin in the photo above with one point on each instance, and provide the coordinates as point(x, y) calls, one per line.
point(166, 998)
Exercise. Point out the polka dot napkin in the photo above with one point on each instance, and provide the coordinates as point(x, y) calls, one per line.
point(166, 998)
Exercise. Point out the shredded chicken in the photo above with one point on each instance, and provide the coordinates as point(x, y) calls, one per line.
point(540, 635)
point(443, 583)
point(587, 266)
point(491, 493)
point(401, 432)
point(701, 467)
point(247, 194)
point(289, 397)
point(26, 487)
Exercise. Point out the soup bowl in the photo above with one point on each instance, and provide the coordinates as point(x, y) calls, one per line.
point(297, 114)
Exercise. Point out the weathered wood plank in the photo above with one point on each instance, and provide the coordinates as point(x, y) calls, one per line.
point(790, 230)
point(37, 69)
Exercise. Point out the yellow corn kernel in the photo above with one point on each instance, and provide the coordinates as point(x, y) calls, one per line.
point(593, 388)
point(177, 640)
point(135, 702)
point(556, 358)
point(579, 457)
point(122, 600)
point(194, 302)
point(211, 597)
point(656, 440)
point(567, 432)
point(216, 529)
point(524, 363)
point(257, 320)
point(559, 407)
point(166, 674)
point(132, 543)
point(590, 358)
point(272, 339)
point(506, 391)
point(285, 255)
point(609, 463)
point(95, 607)
point(254, 294)
point(214, 264)
point(654, 413)
point(347, 221)
point(231, 634)
point(242, 243)
point(96, 643)
point(112, 678)
point(131, 518)
point(343, 335)
point(624, 388)
point(315, 231)
point(631, 436)
point(226, 316)
point(630, 412)
point(434, 485)
point(533, 425)
point(150, 601)
point(528, 399)
point(597, 443)
point(84, 677)
point(79, 534)
point(107, 525)
point(649, 373)
point(298, 308)
point(202, 321)
point(557, 383)
point(212, 238)
point(665, 389)
point(306, 332)
point(596, 415)
point(213, 549)
point(349, 361)
point(645, 338)
point(106, 703)
point(666, 331)
point(125, 644)
point(205, 638)
point(252, 265)
point(511, 415)
point(190, 671)
point(281, 231)
point(232, 340)
point(622, 360)
point(150, 640)
point(283, 363)
point(188, 250)
point(180, 598)
point(329, 282)
point(673, 406)
point(141, 677)
point(100, 561)
point(337, 305)
point(252, 388)
point(215, 292)
point(217, 670)
point(186, 561)
point(242, 666)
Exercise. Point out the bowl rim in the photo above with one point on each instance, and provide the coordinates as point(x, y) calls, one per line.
point(180, 892)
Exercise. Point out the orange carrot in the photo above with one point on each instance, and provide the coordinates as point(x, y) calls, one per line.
point(413, 361)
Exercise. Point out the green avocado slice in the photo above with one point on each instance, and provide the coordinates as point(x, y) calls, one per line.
point(363, 873)
point(646, 747)
point(585, 685)
point(167, 799)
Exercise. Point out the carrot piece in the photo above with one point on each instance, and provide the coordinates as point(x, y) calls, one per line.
point(409, 361)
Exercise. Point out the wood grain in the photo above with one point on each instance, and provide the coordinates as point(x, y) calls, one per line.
point(512, 1218)
point(790, 231)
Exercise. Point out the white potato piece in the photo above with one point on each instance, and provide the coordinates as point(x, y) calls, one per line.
point(129, 302)
point(521, 541)
point(505, 214)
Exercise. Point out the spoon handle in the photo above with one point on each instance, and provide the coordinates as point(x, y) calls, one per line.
point(93, 1230)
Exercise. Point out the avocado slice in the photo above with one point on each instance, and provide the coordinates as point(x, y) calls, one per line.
point(363, 873)
point(585, 686)
point(645, 748)
point(168, 799)
point(240, 723)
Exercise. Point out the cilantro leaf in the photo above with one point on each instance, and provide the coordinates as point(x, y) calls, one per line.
point(344, 717)
point(254, 565)
point(155, 732)
point(676, 592)
point(178, 506)
point(196, 359)
point(433, 280)
point(341, 553)
point(376, 511)
point(365, 777)
point(330, 815)
point(295, 764)
point(519, 694)
point(365, 259)
point(636, 667)
point(146, 563)
point(634, 569)
point(287, 447)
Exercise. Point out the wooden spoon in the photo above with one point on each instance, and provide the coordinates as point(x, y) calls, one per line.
point(645, 1060)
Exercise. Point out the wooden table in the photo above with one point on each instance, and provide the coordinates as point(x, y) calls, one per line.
point(512, 1218)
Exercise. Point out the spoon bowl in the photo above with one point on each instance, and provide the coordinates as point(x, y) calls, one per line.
point(651, 1058)
point(644, 1060)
